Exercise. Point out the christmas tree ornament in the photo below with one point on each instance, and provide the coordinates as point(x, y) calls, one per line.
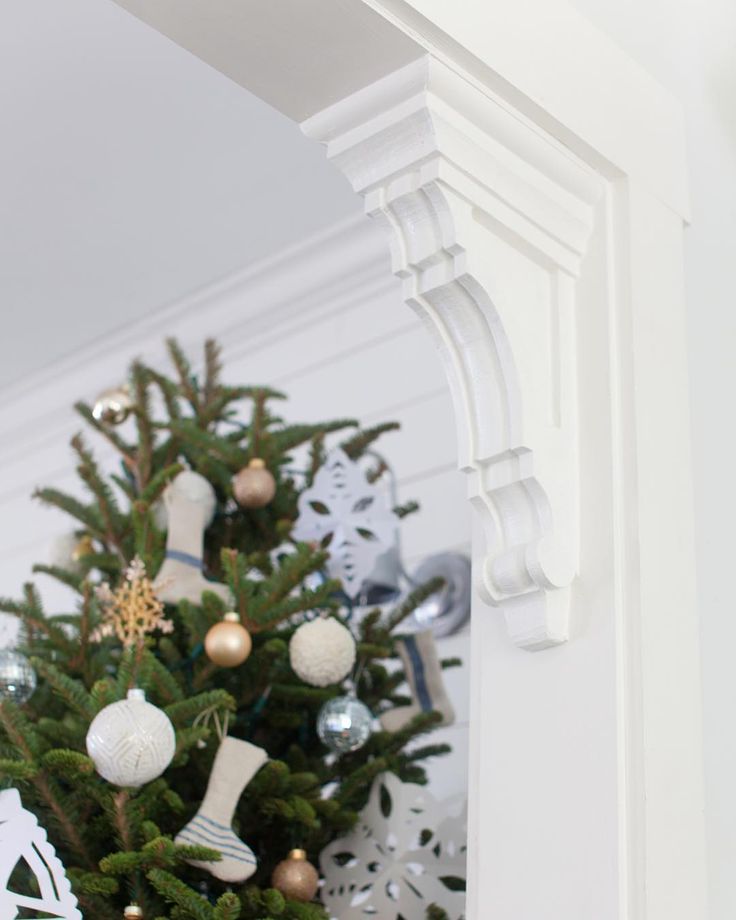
point(406, 852)
point(350, 516)
point(132, 912)
point(24, 842)
point(228, 643)
point(133, 610)
point(132, 741)
point(447, 610)
point(68, 550)
point(235, 764)
point(254, 486)
point(17, 677)
point(113, 406)
point(322, 652)
point(295, 877)
point(423, 671)
point(190, 503)
point(344, 724)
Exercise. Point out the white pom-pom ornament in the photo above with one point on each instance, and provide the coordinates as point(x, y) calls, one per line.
point(322, 652)
point(131, 742)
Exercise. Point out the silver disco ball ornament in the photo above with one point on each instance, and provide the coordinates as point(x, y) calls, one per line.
point(344, 724)
point(17, 677)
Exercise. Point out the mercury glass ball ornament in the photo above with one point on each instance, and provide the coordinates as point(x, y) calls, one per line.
point(344, 724)
point(295, 877)
point(132, 741)
point(228, 643)
point(254, 486)
point(113, 406)
point(17, 677)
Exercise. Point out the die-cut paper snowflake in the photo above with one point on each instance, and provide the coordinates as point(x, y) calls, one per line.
point(24, 846)
point(348, 515)
point(407, 851)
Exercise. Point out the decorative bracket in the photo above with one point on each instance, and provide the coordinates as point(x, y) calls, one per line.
point(488, 221)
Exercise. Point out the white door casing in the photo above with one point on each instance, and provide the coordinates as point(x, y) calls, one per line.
point(532, 182)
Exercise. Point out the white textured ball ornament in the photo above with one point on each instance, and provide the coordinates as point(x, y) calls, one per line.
point(131, 742)
point(322, 652)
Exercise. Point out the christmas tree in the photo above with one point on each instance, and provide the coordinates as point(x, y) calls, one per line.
point(151, 617)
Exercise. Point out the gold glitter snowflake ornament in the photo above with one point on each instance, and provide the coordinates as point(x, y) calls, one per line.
point(132, 611)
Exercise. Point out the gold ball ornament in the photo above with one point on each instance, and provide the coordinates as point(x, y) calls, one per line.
point(228, 643)
point(254, 486)
point(85, 547)
point(295, 877)
point(113, 406)
point(132, 912)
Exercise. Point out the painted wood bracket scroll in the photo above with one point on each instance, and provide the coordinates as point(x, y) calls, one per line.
point(488, 222)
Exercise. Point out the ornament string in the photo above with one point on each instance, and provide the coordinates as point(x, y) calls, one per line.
point(211, 714)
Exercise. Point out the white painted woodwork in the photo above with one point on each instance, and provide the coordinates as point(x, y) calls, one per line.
point(532, 181)
point(439, 164)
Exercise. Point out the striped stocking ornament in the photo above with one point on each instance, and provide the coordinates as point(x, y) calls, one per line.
point(236, 763)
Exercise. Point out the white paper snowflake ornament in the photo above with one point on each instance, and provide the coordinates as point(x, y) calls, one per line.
point(23, 841)
point(403, 856)
point(348, 515)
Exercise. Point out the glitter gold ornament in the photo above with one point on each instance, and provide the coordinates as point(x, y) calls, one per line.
point(295, 877)
point(113, 406)
point(133, 610)
point(254, 486)
point(228, 643)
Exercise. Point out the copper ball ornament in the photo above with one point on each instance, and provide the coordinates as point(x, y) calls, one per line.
point(228, 643)
point(295, 877)
point(254, 486)
point(113, 406)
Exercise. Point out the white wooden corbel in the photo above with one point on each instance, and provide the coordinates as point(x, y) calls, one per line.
point(488, 222)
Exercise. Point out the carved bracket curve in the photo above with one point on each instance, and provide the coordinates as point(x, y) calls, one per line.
point(450, 174)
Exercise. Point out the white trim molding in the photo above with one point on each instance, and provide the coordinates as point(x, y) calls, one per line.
point(444, 168)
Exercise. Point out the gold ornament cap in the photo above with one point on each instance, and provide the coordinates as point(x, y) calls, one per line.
point(133, 912)
point(231, 617)
point(256, 464)
point(298, 854)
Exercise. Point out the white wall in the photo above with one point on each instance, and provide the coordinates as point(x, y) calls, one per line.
point(689, 46)
point(325, 323)
point(132, 174)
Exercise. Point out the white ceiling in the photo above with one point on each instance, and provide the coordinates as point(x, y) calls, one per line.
point(130, 174)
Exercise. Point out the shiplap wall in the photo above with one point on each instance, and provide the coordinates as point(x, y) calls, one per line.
point(324, 322)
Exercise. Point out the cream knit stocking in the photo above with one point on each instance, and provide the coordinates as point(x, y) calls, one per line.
point(418, 653)
point(190, 505)
point(236, 763)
